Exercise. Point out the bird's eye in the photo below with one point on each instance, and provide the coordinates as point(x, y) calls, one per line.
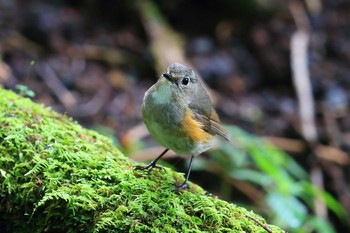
point(185, 81)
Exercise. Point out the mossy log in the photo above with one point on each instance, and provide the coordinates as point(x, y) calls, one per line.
point(56, 176)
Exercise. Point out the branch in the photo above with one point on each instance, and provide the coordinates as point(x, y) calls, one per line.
point(57, 176)
point(302, 83)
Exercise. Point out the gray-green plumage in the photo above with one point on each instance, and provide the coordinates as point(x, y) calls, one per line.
point(179, 114)
point(167, 103)
point(198, 99)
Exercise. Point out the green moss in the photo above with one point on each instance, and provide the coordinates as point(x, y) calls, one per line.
point(56, 176)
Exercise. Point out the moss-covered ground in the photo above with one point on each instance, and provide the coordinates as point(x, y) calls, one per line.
point(56, 176)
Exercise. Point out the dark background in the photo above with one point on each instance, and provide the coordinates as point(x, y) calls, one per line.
point(93, 60)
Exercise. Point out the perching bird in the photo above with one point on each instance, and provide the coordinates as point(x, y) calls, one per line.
point(180, 116)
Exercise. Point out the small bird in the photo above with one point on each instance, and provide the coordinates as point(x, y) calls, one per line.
point(179, 115)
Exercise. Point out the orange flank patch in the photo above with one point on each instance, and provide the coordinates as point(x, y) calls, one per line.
point(194, 129)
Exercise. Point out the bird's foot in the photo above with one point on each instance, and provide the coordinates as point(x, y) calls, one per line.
point(181, 187)
point(148, 167)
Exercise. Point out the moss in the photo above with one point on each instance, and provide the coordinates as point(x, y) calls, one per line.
point(56, 176)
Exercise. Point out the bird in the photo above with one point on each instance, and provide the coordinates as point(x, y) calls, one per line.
point(180, 116)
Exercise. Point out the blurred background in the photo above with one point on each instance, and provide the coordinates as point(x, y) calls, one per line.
point(278, 72)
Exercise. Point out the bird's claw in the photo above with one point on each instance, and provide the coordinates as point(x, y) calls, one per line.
point(148, 167)
point(181, 187)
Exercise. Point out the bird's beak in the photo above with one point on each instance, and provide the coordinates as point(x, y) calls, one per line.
point(167, 76)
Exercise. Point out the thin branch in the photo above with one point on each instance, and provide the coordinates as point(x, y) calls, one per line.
point(260, 223)
point(54, 83)
point(301, 78)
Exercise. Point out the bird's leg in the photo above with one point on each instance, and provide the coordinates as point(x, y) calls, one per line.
point(184, 185)
point(152, 164)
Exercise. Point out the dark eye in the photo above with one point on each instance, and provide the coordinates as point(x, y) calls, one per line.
point(185, 81)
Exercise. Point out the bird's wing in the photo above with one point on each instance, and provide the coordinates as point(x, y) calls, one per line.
point(205, 113)
point(211, 124)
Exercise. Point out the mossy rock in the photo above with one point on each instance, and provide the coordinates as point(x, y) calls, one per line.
point(57, 176)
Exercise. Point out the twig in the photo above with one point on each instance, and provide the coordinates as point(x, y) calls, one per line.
point(112, 56)
point(300, 70)
point(328, 153)
point(93, 106)
point(54, 83)
point(302, 83)
point(260, 223)
point(166, 44)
